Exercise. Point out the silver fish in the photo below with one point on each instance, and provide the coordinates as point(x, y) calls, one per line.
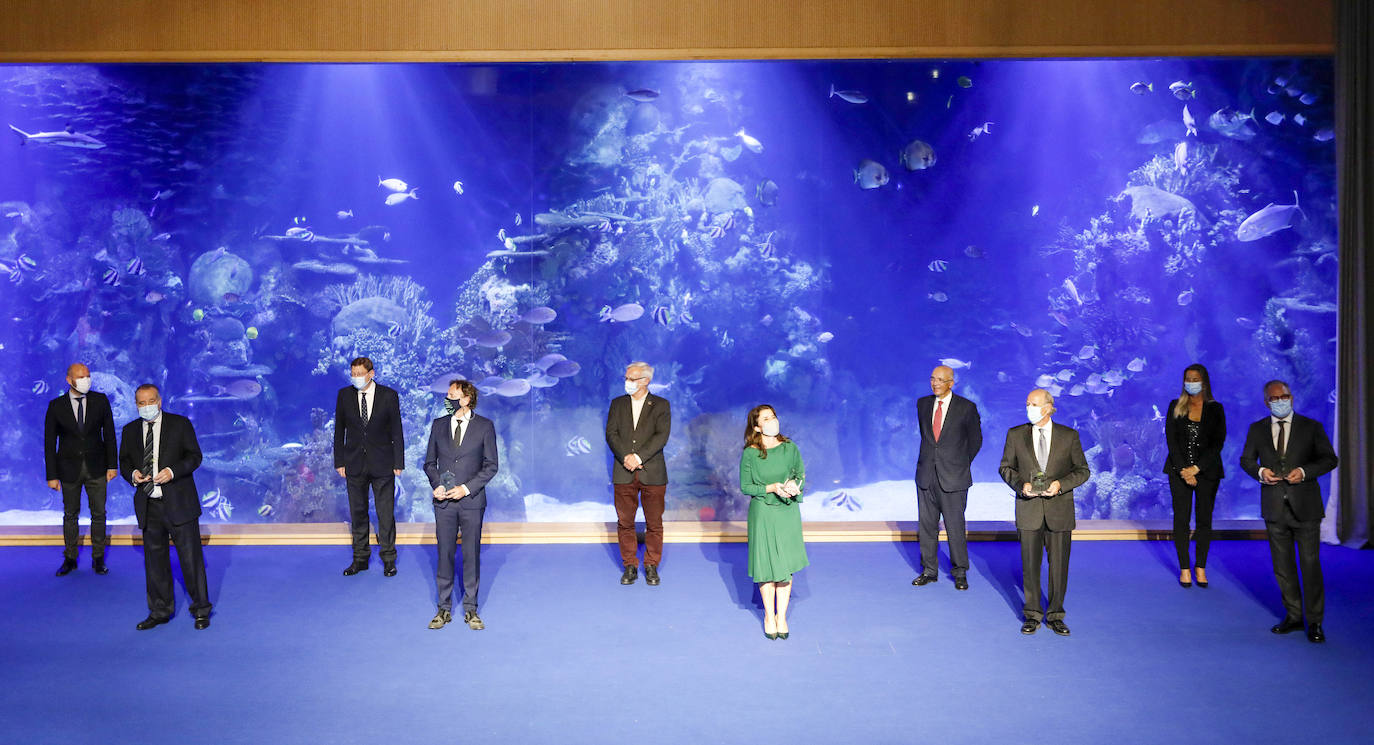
point(749, 141)
point(393, 184)
point(539, 316)
point(870, 174)
point(1185, 297)
point(622, 313)
point(1189, 123)
point(1072, 289)
point(954, 363)
point(67, 138)
point(850, 96)
point(918, 155)
point(343, 214)
point(394, 199)
point(1274, 117)
point(1268, 220)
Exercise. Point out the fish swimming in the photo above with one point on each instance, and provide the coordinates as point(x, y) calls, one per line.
point(1142, 88)
point(578, 446)
point(963, 81)
point(458, 187)
point(980, 130)
point(850, 96)
point(1072, 289)
point(955, 364)
point(642, 95)
point(1325, 134)
point(395, 199)
point(1189, 123)
point(918, 155)
point(1307, 99)
point(661, 315)
point(750, 142)
point(1274, 117)
point(110, 278)
point(1136, 365)
point(767, 192)
point(870, 174)
point(135, 267)
point(1181, 157)
point(492, 339)
point(563, 369)
point(392, 184)
point(825, 337)
point(938, 265)
point(1182, 91)
point(343, 214)
point(1185, 297)
point(539, 316)
point(1269, 220)
point(622, 313)
point(1232, 123)
point(66, 138)
point(1300, 120)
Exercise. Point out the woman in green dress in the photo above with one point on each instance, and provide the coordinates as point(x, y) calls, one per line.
point(772, 474)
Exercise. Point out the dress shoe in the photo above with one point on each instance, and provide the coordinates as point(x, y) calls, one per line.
point(923, 580)
point(202, 623)
point(150, 622)
point(1287, 626)
point(67, 566)
point(961, 583)
point(769, 634)
point(473, 621)
point(1200, 581)
point(651, 574)
point(440, 619)
point(1315, 634)
point(389, 568)
point(355, 567)
point(1058, 627)
point(630, 575)
point(98, 566)
point(1030, 626)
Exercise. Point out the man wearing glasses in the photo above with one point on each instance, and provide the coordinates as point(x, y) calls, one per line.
point(636, 432)
point(1286, 452)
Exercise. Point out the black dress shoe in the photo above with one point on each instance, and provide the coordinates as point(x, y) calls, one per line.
point(961, 583)
point(1058, 627)
point(355, 567)
point(99, 566)
point(923, 579)
point(630, 575)
point(1030, 626)
point(1286, 626)
point(650, 574)
point(202, 623)
point(1181, 583)
point(67, 566)
point(1314, 634)
point(389, 568)
point(150, 622)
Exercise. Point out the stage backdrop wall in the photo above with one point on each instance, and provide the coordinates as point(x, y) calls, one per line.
point(816, 235)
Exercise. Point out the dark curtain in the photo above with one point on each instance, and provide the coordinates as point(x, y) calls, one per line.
point(1355, 210)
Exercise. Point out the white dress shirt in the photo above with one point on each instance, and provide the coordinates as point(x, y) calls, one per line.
point(1287, 435)
point(1048, 429)
point(75, 397)
point(370, 391)
point(458, 429)
point(944, 411)
point(157, 450)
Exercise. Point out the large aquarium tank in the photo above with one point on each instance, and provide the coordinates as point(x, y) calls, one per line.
point(816, 235)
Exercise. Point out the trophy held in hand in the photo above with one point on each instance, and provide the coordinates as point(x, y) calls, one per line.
point(1040, 484)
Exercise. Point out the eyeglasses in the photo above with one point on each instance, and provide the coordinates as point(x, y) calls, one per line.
point(1281, 397)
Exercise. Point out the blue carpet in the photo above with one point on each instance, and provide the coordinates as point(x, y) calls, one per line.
point(298, 653)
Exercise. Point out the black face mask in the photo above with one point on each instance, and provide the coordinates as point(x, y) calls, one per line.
point(451, 405)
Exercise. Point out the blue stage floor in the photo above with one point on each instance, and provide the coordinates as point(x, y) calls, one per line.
point(298, 653)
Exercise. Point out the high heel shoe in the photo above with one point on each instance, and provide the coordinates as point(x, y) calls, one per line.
point(766, 634)
point(1182, 583)
point(784, 634)
point(1201, 582)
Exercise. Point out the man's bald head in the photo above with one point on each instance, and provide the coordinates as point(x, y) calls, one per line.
point(941, 380)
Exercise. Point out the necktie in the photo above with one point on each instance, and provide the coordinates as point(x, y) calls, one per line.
point(458, 434)
point(1041, 449)
point(81, 412)
point(363, 409)
point(939, 418)
point(148, 456)
point(1282, 447)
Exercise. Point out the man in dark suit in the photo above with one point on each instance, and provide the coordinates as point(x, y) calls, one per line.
point(1043, 462)
point(158, 454)
point(636, 431)
point(1286, 453)
point(369, 451)
point(79, 451)
point(460, 460)
point(951, 435)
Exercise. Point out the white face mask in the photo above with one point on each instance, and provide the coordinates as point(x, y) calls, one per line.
point(149, 412)
point(1034, 414)
point(1192, 389)
point(631, 387)
point(82, 385)
point(770, 428)
point(359, 383)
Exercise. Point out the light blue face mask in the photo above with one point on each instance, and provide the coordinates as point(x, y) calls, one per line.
point(359, 383)
point(1281, 408)
point(1192, 388)
point(149, 412)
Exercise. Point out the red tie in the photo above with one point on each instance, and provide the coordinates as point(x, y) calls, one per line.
point(939, 418)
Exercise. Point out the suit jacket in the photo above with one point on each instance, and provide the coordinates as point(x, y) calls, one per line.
point(473, 463)
point(647, 440)
point(1065, 464)
point(377, 450)
point(1308, 448)
point(947, 462)
point(177, 450)
point(1213, 438)
point(66, 447)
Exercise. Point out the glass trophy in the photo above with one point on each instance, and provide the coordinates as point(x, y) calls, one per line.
point(1040, 483)
point(1282, 469)
point(448, 481)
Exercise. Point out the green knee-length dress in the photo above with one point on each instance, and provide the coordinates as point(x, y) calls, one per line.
point(776, 549)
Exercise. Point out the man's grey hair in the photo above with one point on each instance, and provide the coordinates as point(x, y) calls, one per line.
point(642, 367)
point(1275, 382)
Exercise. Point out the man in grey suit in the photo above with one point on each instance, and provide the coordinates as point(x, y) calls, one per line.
point(1286, 452)
point(1043, 462)
point(951, 435)
point(636, 431)
point(460, 460)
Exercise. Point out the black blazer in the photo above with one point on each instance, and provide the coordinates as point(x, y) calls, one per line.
point(473, 463)
point(1213, 433)
point(1308, 448)
point(65, 447)
point(647, 440)
point(180, 452)
point(948, 461)
point(378, 450)
point(1066, 464)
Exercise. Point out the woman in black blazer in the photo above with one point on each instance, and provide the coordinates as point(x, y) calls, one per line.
point(1195, 430)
